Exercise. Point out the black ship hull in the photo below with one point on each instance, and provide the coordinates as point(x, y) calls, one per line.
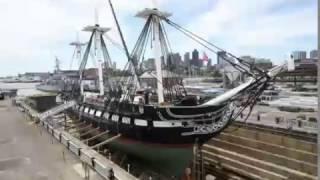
point(164, 125)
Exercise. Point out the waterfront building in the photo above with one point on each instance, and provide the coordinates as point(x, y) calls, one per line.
point(299, 55)
point(262, 63)
point(314, 54)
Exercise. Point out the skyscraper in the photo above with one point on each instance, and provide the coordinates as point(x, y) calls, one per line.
point(114, 65)
point(195, 57)
point(177, 59)
point(186, 58)
point(220, 58)
point(314, 54)
point(187, 63)
point(174, 61)
point(149, 64)
point(299, 55)
point(209, 64)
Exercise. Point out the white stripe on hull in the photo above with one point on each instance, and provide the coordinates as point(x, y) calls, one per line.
point(140, 122)
point(126, 120)
point(168, 124)
point(91, 112)
point(115, 118)
point(98, 113)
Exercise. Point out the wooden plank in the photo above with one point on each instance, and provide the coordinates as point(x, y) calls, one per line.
point(95, 137)
point(106, 141)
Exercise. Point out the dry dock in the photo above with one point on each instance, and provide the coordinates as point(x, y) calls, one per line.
point(29, 151)
point(251, 152)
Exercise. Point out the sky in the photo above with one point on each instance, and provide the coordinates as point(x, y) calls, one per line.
point(34, 32)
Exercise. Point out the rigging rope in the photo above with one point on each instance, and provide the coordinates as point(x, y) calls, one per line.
point(122, 39)
point(247, 64)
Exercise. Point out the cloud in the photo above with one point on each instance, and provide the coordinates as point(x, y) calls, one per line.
point(35, 31)
point(32, 32)
point(253, 24)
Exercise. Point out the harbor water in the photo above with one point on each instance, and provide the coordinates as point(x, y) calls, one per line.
point(24, 89)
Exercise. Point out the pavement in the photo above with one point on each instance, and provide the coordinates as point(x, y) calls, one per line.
point(28, 152)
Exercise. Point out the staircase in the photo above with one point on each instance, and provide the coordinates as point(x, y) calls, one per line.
point(56, 110)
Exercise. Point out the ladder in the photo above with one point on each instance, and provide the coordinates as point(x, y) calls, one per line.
point(57, 110)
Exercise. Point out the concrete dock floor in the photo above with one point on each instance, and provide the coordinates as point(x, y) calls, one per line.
point(28, 152)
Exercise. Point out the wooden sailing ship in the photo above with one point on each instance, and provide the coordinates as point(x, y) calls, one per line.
point(167, 115)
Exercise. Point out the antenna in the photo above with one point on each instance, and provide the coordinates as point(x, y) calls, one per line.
point(78, 39)
point(96, 15)
point(154, 4)
point(124, 43)
point(57, 64)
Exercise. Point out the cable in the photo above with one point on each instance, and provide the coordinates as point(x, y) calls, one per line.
point(198, 39)
point(122, 38)
point(230, 54)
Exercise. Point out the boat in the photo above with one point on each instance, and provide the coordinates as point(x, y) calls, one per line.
point(166, 114)
point(63, 80)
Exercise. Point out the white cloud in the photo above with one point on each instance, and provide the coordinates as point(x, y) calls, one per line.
point(248, 23)
point(33, 31)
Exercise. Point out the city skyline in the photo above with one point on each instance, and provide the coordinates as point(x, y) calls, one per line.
point(40, 30)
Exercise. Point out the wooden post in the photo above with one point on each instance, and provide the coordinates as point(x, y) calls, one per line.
point(194, 161)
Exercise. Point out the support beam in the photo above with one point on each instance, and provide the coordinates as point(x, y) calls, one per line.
point(88, 132)
point(106, 141)
point(81, 129)
point(75, 125)
point(95, 137)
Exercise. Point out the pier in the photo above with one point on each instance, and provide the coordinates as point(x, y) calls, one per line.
point(67, 133)
point(28, 152)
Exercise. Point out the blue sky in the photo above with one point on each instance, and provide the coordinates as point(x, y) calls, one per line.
point(33, 32)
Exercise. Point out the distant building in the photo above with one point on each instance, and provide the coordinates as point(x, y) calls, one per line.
point(175, 60)
point(187, 62)
point(221, 59)
point(114, 65)
point(37, 75)
point(314, 54)
point(261, 63)
point(306, 64)
point(149, 64)
point(90, 74)
point(195, 58)
point(148, 79)
point(299, 55)
point(209, 64)
point(248, 59)
point(195, 54)
point(186, 57)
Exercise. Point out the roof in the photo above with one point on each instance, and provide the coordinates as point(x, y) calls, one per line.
point(296, 101)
